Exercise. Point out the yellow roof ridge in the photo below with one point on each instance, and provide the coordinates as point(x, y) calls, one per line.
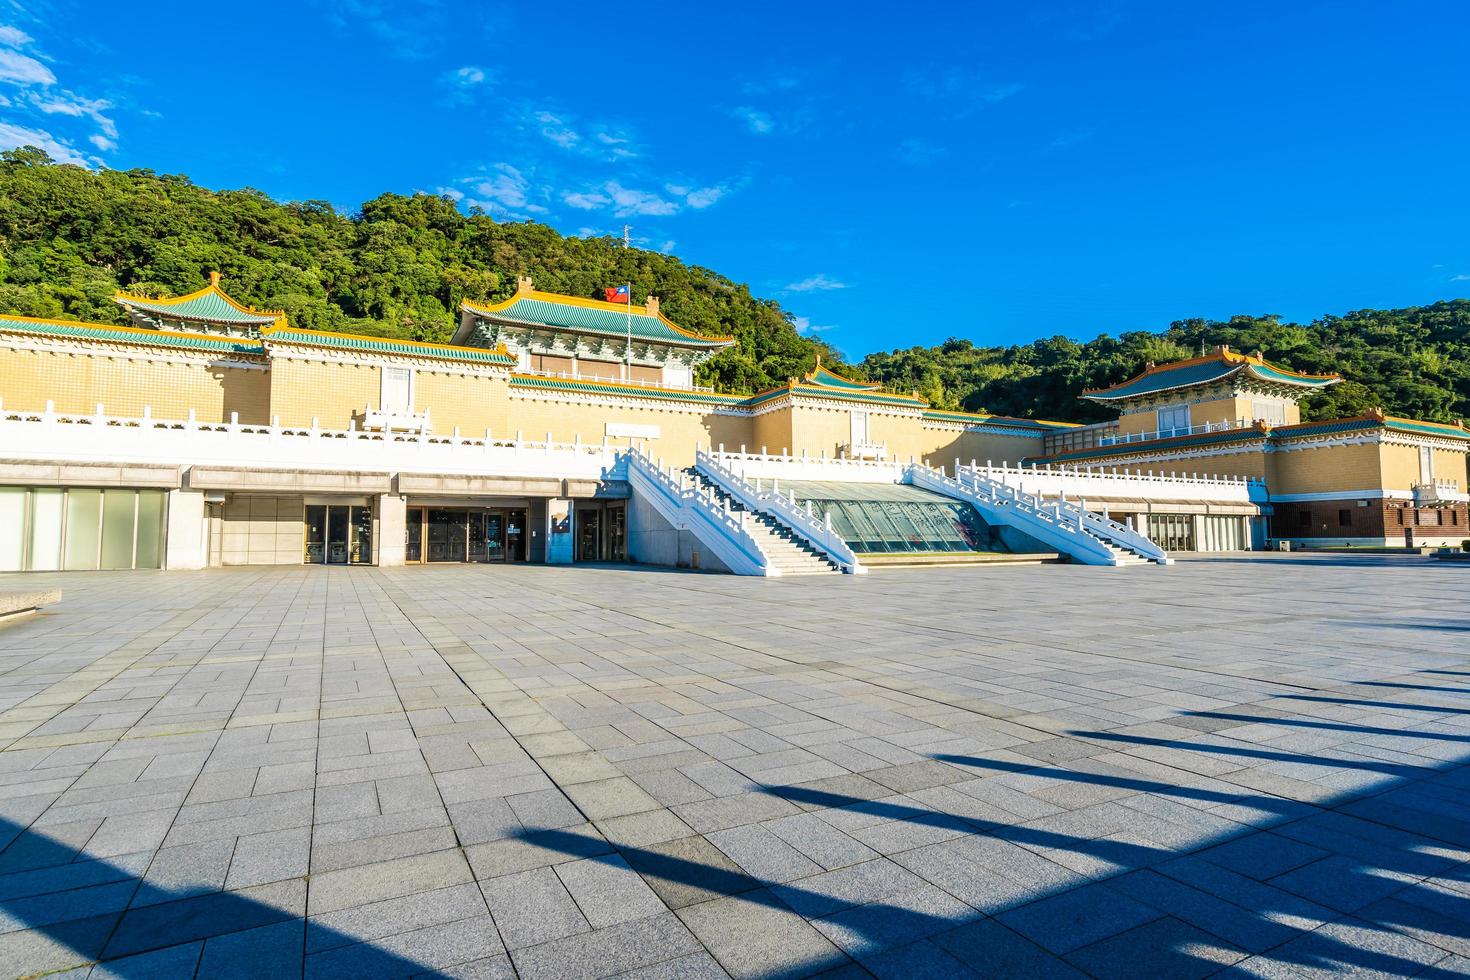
point(267, 333)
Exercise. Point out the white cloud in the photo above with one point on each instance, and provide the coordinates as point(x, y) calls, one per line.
point(70, 104)
point(805, 326)
point(966, 91)
point(1462, 277)
point(667, 246)
point(12, 136)
point(816, 283)
point(758, 122)
point(21, 69)
point(506, 192)
point(628, 201)
point(470, 75)
point(13, 37)
point(1074, 137)
point(586, 200)
point(599, 141)
point(453, 193)
point(704, 197)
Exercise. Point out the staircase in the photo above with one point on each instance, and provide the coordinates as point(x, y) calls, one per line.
point(1074, 531)
point(784, 550)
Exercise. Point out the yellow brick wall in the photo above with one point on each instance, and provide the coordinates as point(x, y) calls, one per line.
point(1330, 468)
point(125, 385)
point(941, 446)
point(471, 402)
point(1450, 464)
point(679, 430)
point(772, 430)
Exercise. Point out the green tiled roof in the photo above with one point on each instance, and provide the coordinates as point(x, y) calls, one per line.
point(996, 421)
point(1199, 371)
point(129, 335)
point(821, 376)
point(590, 316)
point(208, 305)
point(386, 345)
point(588, 387)
point(1328, 426)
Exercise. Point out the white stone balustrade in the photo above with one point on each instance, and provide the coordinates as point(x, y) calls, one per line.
point(1120, 483)
point(52, 436)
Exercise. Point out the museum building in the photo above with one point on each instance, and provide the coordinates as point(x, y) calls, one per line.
point(560, 429)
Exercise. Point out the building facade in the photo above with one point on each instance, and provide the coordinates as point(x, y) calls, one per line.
point(211, 433)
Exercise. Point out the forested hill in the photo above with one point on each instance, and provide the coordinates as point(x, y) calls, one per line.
point(1413, 362)
point(70, 237)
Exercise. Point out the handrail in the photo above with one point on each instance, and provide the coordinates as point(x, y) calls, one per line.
point(728, 535)
point(819, 533)
point(1183, 430)
point(642, 383)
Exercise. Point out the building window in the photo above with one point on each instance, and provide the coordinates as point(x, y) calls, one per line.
point(1398, 512)
point(1426, 464)
point(1270, 411)
point(1175, 417)
point(1304, 518)
point(1344, 518)
point(396, 396)
point(1439, 518)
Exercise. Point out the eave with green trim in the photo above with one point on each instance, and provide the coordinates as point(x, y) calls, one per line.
point(587, 386)
point(1031, 426)
point(143, 336)
point(554, 313)
point(210, 306)
point(1200, 371)
point(387, 346)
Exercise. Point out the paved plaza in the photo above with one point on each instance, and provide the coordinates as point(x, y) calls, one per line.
point(1244, 765)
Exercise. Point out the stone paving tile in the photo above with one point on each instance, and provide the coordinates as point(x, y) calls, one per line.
point(1252, 765)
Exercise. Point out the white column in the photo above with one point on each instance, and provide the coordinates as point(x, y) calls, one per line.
point(392, 520)
point(186, 546)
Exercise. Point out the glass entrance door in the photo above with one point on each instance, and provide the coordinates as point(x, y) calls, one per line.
point(589, 535)
point(447, 538)
point(338, 534)
point(515, 535)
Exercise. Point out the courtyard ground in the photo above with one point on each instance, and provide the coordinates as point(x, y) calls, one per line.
point(1248, 765)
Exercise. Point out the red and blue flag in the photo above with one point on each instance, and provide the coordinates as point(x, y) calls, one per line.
point(617, 294)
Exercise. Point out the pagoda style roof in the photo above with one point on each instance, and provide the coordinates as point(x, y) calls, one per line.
point(553, 311)
point(111, 333)
point(1223, 363)
point(1008, 421)
point(208, 305)
point(821, 382)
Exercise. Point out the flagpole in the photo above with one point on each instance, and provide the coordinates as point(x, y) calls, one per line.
point(628, 351)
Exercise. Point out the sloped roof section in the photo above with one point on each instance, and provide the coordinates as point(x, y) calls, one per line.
point(108, 333)
point(1203, 370)
point(553, 311)
point(208, 305)
point(387, 345)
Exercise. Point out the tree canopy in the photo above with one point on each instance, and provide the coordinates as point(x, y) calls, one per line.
point(70, 237)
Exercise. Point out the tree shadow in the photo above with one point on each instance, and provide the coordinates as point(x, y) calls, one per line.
point(1325, 699)
point(1337, 885)
point(1329, 726)
point(63, 910)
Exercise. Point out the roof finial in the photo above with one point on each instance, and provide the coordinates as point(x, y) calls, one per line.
point(523, 285)
point(214, 278)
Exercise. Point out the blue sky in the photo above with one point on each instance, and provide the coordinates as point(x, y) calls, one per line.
point(893, 174)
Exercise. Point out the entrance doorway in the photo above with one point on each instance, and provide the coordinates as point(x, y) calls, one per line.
point(338, 534)
point(602, 531)
point(459, 534)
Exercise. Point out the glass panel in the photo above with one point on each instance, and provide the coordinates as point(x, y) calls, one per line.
point(515, 536)
point(83, 509)
point(588, 527)
point(119, 509)
point(48, 511)
point(337, 535)
point(316, 534)
point(446, 535)
point(12, 528)
point(150, 528)
point(361, 543)
point(413, 535)
point(617, 536)
point(494, 537)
